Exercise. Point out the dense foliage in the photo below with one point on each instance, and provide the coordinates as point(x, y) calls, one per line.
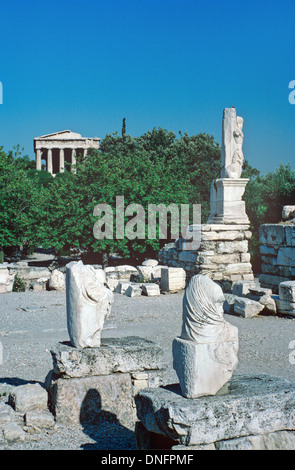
point(155, 168)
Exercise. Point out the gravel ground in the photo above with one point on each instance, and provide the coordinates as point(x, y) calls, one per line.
point(32, 323)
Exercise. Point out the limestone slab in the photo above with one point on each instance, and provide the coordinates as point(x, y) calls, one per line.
point(247, 308)
point(280, 440)
point(288, 212)
point(133, 291)
point(127, 354)
point(38, 420)
point(286, 256)
point(285, 307)
point(290, 235)
point(287, 291)
point(241, 288)
point(268, 250)
point(13, 432)
point(253, 405)
point(172, 279)
point(150, 262)
point(150, 289)
point(232, 246)
point(28, 397)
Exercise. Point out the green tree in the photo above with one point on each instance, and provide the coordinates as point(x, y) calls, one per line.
point(265, 197)
point(18, 196)
point(121, 168)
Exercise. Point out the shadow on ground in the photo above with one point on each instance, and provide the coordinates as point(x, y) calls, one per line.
point(103, 427)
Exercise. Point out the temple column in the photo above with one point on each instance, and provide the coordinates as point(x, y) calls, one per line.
point(38, 159)
point(73, 160)
point(49, 161)
point(61, 160)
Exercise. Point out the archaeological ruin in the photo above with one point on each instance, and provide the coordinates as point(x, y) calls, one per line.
point(60, 150)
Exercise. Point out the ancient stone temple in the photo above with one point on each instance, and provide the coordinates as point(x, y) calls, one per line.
point(60, 149)
point(223, 250)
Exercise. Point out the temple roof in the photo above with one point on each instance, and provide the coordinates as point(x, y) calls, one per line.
point(67, 134)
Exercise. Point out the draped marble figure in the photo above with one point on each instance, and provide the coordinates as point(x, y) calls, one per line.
point(205, 355)
point(202, 318)
point(89, 301)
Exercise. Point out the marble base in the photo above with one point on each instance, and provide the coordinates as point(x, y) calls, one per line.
point(226, 205)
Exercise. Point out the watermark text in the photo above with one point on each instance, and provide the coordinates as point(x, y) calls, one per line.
point(292, 353)
point(134, 222)
point(292, 94)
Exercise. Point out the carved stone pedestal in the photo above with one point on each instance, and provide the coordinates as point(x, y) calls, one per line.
point(203, 369)
point(226, 205)
point(93, 384)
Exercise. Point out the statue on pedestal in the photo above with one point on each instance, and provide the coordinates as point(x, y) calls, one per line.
point(227, 206)
point(205, 355)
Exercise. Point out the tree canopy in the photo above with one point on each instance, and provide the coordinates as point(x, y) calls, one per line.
point(157, 167)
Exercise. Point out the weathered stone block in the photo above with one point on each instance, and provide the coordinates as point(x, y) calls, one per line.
point(280, 440)
point(232, 247)
point(253, 405)
point(123, 272)
point(13, 432)
point(267, 280)
point(122, 287)
point(286, 256)
point(151, 289)
point(38, 420)
point(5, 414)
point(133, 291)
point(272, 234)
point(247, 308)
point(284, 307)
point(287, 291)
point(247, 277)
point(288, 212)
point(238, 268)
point(172, 279)
point(89, 399)
point(224, 235)
point(150, 262)
point(228, 305)
point(245, 257)
point(290, 235)
point(145, 272)
point(266, 300)
point(219, 258)
point(268, 250)
point(126, 354)
point(187, 256)
point(28, 397)
point(241, 288)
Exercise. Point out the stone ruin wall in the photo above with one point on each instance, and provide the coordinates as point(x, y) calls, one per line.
point(222, 255)
point(277, 249)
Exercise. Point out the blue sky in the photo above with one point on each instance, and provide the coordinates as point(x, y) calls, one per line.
point(84, 65)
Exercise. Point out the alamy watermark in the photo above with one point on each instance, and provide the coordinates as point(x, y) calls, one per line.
point(1, 353)
point(144, 224)
point(292, 353)
point(1, 93)
point(292, 94)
